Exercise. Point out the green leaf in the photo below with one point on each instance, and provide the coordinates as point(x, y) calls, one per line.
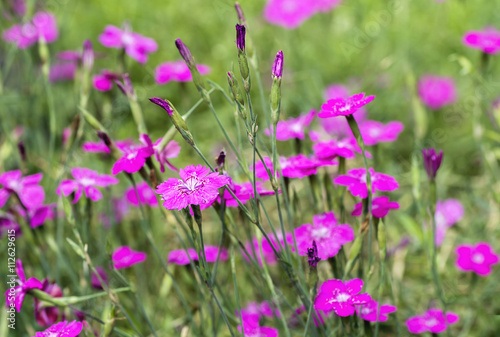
point(76, 248)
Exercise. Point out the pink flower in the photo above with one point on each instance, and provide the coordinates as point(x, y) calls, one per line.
point(104, 81)
point(177, 71)
point(197, 187)
point(448, 212)
point(94, 280)
point(86, 181)
point(341, 297)
point(432, 321)
point(27, 188)
point(171, 150)
point(328, 235)
point(345, 148)
point(487, 40)
point(134, 156)
point(124, 257)
point(62, 72)
point(301, 166)
point(288, 13)
point(42, 25)
point(7, 223)
point(146, 195)
point(369, 311)
point(344, 106)
point(181, 257)
point(136, 46)
point(380, 207)
point(251, 328)
point(478, 258)
point(46, 316)
point(293, 127)
point(16, 300)
point(257, 310)
point(356, 182)
point(260, 169)
point(101, 147)
point(62, 329)
point(374, 132)
point(436, 92)
point(253, 248)
point(325, 5)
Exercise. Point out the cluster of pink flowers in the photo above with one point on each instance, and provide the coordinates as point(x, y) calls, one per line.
point(42, 26)
point(292, 13)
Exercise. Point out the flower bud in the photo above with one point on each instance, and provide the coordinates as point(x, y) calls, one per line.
point(278, 65)
point(176, 118)
point(126, 86)
point(240, 37)
point(87, 55)
point(195, 73)
point(277, 72)
point(237, 95)
point(432, 162)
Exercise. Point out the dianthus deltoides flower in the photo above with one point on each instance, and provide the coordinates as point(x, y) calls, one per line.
point(380, 207)
point(124, 257)
point(341, 297)
point(181, 257)
point(292, 128)
point(42, 26)
point(62, 329)
point(136, 46)
point(26, 188)
point(46, 316)
point(432, 320)
point(369, 311)
point(134, 156)
point(177, 71)
point(344, 106)
point(22, 289)
point(477, 258)
point(437, 92)
point(355, 180)
point(197, 186)
point(85, 180)
point(487, 40)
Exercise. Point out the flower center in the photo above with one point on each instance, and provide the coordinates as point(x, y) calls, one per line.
point(127, 39)
point(478, 258)
point(132, 155)
point(191, 185)
point(431, 322)
point(87, 181)
point(320, 233)
point(366, 311)
point(342, 297)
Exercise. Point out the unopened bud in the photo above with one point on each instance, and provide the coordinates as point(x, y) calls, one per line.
point(22, 150)
point(175, 117)
point(195, 73)
point(87, 55)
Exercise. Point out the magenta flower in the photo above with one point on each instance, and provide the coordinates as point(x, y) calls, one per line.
point(136, 46)
point(104, 81)
point(369, 311)
point(487, 40)
point(478, 258)
point(345, 148)
point(380, 207)
point(37, 211)
point(86, 181)
point(292, 128)
point(288, 13)
point(432, 161)
point(374, 132)
point(258, 310)
point(26, 188)
point(177, 71)
point(355, 180)
point(260, 169)
point(171, 150)
point(15, 299)
point(197, 186)
point(46, 316)
point(328, 235)
point(437, 92)
point(134, 156)
point(301, 166)
point(181, 257)
point(432, 321)
point(62, 329)
point(124, 257)
point(146, 194)
point(8, 223)
point(94, 280)
point(341, 297)
point(251, 328)
point(448, 212)
point(344, 106)
point(42, 26)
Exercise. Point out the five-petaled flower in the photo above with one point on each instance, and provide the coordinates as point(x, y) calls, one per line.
point(197, 186)
point(136, 46)
point(62, 329)
point(341, 297)
point(356, 182)
point(373, 311)
point(433, 321)
point(344, 106)
point(85, 180)
point(124, 257)
point(477, 258)
point(487, 40)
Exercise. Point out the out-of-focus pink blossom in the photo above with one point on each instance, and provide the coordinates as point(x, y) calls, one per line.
point(134, 157)
point(487, 40)
point(42, 26)
point(104, 81)
point(373, 311)
point(62, 71)
point(46, 316)
point(437, 92)
point(94, 280)
point(177, 71)
point(267, 250)
point(477, 258)
point(448, 213)
point(30, 193)
point(171, 150)
point(380, 207)
point(181, 257)
point(374, 132)
point(124, 257)
point(22, 289)
point(432, 320)
point(292, 128)
point(136, 46)
point(86, 181)
point(146, 194)
point(355, 180)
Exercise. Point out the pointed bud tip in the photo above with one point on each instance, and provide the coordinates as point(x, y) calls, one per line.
point(162, 103)
point(278, 65)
